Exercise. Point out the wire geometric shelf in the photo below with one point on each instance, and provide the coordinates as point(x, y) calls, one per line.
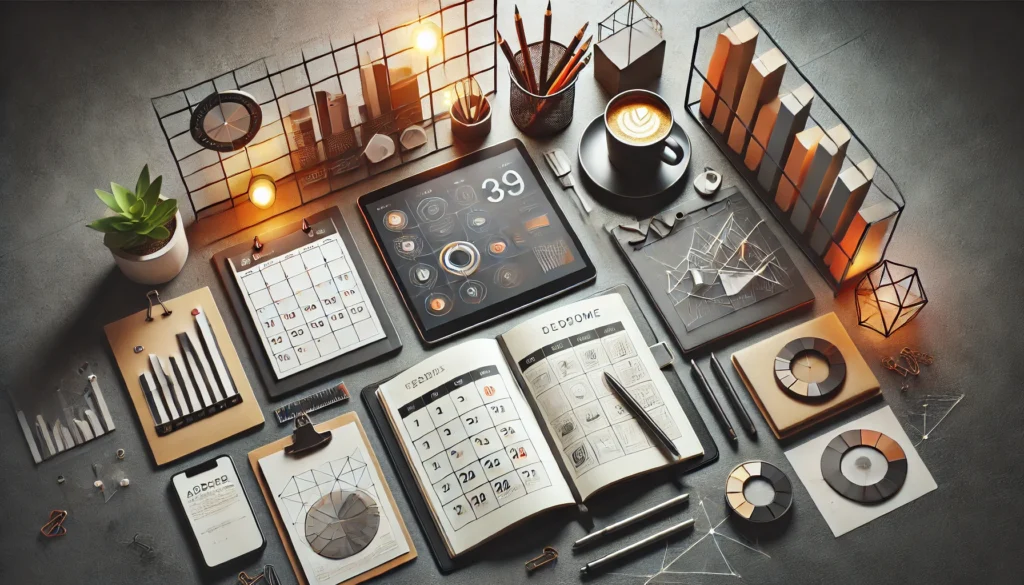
point(290, 145)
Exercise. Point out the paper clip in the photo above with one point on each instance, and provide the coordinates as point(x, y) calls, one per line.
point(269, 575)
point(55, 527)
point(547, 557)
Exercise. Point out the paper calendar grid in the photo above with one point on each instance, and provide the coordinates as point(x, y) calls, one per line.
point(590, 424)
point(473, 446)
point(310, 305)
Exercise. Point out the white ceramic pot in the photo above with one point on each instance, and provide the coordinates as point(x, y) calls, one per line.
point(160, 266)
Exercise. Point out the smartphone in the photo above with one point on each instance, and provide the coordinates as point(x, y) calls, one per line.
point(223, 525)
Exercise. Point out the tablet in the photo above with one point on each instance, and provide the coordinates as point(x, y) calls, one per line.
point(474, 239)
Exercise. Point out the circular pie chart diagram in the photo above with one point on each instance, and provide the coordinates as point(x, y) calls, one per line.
point(342, 523)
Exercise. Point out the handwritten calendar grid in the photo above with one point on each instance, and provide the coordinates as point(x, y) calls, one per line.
point(310, 305)
point(590, 424)
point(473, 446)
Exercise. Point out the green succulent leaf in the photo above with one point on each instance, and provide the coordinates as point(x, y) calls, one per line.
point(138, 208)
point(143, 183)
point(106, 224)
point(152, 194)
point(163, 212)
point(123, 196)
point(108, 200)
point(158, 233)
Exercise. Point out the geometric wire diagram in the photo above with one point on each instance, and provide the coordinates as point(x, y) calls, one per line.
point(705, 556)
point(889, 296)
point(334, 502)
point(928, 412)
point(732, 262)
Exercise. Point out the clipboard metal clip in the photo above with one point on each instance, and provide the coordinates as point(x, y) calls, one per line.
point(306, 438)
point(150, 296)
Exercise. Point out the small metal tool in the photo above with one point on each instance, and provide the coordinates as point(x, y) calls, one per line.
point(562, 168)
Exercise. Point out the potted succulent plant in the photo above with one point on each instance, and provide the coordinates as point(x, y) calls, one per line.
point(145, 235)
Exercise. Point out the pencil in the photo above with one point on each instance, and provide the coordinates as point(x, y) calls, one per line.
point(531, 84)
point(571, 76)
point(560, 64)
point(713, 400)
point(563, 77)
point(512, 66)
point(545, 50)
point(721, 375)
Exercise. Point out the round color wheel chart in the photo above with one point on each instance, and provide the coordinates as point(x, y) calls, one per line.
point(810, 368)
point(226, 121)
point(459, 258)
point(342, 523)
point(764, 511)
point(884, 488)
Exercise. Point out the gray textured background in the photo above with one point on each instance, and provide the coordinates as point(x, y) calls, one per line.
point(933, 88)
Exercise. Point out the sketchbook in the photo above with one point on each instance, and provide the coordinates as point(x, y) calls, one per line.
point(495, 431)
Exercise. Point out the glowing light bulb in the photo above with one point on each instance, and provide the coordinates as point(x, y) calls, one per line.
point(262, 191)
point(426, 37)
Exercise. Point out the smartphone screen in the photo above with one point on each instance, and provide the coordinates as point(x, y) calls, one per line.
point(218, 511)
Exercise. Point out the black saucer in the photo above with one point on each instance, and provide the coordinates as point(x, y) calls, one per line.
point(593, 153)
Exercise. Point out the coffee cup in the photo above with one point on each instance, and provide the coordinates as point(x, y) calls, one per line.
point(637, 128)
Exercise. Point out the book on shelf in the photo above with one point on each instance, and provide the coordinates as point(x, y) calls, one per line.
point(843, 203)
point(862, 246)
point(734, 48)
point(793, 114)
point(764, 79)
point(797, 164)
point(821, 175)
point(497, 430)
point(743, 41)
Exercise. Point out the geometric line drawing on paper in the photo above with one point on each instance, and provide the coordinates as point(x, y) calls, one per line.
point(307, 488)
point(710, 544)
point(928, 412)
point(731, 263)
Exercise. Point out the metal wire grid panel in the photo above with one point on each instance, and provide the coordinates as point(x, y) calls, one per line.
point(628, 16)
point(420, 85)
point(841, 258)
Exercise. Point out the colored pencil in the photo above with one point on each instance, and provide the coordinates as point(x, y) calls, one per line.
point(531, 84)
point(545, 50)
point(564, 59)
point(512, 66)
point(565, 75)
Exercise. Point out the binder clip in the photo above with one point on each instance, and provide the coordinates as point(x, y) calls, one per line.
point(306, 228)
point(150, 296)
point(547, 556)
point(306, 438)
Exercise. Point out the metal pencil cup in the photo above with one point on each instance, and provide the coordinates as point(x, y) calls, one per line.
point(539, 115)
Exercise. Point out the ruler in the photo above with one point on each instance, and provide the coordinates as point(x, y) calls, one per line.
point(312, 403)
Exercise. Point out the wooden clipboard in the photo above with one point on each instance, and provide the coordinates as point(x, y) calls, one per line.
point(158, 337)
point(279, 445)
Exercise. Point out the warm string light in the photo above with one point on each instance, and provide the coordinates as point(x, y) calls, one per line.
point(426, 37)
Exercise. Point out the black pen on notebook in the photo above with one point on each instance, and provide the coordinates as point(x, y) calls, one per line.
point(713, 400)
point(724, 378)
point(642, 416)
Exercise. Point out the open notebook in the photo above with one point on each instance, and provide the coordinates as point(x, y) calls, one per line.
point(496, 431)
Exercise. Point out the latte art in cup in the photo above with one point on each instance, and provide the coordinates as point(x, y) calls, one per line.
point(639, 121)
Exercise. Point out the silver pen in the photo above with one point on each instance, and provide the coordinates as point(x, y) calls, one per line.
point(597, 535)
point(594, 566)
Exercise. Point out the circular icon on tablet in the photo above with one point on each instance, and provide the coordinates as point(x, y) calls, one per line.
point(459, 258)
point(423, 275)
point(497, 247)
point(396, 220)
point(473, 292)
point(478, 220)
point(465, 195)
point(409, 246)
point(508, 276)
point(438, 304)
point(431, 209)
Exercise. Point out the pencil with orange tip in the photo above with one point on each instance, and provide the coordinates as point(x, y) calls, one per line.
point(512, 66)
point(531, 84)
point(567, 70)
point(564, 59)
point(572, 75)
point(545, 51)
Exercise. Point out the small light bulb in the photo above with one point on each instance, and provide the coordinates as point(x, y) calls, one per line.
point(262, 191)
point(426, 41)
